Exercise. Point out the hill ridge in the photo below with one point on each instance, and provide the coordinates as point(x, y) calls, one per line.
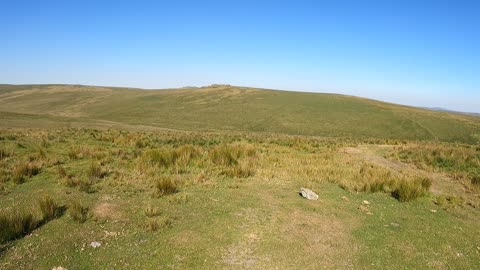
point(241, 109)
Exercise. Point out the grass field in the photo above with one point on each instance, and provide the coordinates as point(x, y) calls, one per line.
point(230, 108)
point(209, 179)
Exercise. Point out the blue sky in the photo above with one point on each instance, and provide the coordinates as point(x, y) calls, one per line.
point(423, 53)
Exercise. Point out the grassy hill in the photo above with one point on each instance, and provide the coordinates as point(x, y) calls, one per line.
point(209, 178)
point(229, 108)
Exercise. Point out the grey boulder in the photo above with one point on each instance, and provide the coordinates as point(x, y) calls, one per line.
point(308, 194)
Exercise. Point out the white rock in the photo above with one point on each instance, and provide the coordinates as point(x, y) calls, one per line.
point(308, 194)
point(95, 244)
point(366, 202)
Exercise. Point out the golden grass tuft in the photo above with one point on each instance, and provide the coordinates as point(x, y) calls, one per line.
point(151, 211)
point(15, 224)
point(78, 212)
point(21, 170)
point(48, 207)
point(164, 185)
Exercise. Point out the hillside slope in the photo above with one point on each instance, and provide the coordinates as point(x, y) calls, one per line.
point(229, 108)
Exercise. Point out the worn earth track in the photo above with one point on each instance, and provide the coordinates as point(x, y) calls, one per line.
point(442, 184)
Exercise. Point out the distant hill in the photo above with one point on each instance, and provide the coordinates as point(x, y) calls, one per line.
point(451, 111)
point(225, 107)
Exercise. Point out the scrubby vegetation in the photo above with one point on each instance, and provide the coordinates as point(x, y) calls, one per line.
point(78, 212)
point(20, 221)
point(158, 189)
point(462, 162)
point(16, 223)
point(165, 185)
point(48, 208)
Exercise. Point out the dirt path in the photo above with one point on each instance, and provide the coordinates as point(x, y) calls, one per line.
point(441, 183)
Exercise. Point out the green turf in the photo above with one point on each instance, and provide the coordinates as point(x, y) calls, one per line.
point(234, 108)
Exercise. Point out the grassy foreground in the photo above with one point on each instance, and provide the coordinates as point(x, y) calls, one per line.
point(213, 200)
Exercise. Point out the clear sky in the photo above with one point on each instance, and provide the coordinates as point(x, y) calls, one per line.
point(424, 53)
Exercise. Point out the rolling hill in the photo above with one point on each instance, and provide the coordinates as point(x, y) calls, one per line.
point(228, 108)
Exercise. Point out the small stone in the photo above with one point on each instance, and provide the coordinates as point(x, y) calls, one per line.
point(59, 268)
point(366, 202)
point(308, 194)
point(393, 224)
point(433, 210)
point(95, 244)
point(345, 198)
point(365, 210)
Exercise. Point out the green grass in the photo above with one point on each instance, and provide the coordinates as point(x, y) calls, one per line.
point(160, 198)
point(229, 108)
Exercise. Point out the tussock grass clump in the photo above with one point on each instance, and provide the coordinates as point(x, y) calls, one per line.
point(168, 158)
point(406, 191)
point(74, 153)
point(240, 171)
point(84, 185)
point(44, 142)
point(449, 201)
point(78, 152)
point(371, 178)
point(224, 155)
point(41, 154)
point(78, 212)
point(5, 152)
point(15, 224)
point(4, 176)
point(71, 181)
point(165, 185)
point(160, 157)
point(95, 171)
point(139, 143)
point(156, 224)
point(475, 180)
point(62, 173)
point(49, 208)
point(151, 211)
point(152, 225)
point(186, 154)
point(448, 158)
point(21, 170)
point(229, 154)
